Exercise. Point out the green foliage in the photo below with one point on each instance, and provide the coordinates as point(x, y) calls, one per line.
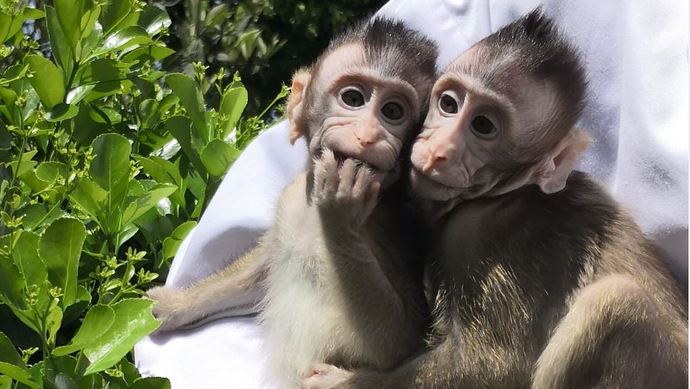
point(264, 40)
point(106, 163)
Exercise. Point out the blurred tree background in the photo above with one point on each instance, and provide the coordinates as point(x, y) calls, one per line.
point(264, 40)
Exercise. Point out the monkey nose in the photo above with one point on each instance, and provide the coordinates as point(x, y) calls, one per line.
point(367, 138)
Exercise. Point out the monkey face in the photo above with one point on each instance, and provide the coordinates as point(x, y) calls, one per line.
point(366, 118)
point(465, 127)
point(358, 111)
point(479, 130)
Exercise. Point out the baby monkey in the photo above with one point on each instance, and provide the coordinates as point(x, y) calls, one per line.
point(336, 277)
point(536, 283)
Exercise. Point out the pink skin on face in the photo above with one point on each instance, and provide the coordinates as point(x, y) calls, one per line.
point(449, 152)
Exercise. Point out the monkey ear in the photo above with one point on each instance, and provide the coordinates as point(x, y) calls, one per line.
point(295, 104)
point(561, 161)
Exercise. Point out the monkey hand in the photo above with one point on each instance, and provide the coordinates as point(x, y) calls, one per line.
point(170, 308)
point(323, 376)
point(347, 194)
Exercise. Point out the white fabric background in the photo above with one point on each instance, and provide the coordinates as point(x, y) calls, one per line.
point(637, 63)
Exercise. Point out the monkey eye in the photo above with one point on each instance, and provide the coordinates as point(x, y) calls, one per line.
point(393, 111)
point(447, 103)
point(483, 127)
point(352, 98)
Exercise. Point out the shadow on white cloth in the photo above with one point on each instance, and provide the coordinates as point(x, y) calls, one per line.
point(637, 63)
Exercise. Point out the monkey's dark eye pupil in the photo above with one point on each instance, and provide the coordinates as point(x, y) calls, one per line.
point(392, 111)
point(483, 125)
point(448, 104)
point(353, 98)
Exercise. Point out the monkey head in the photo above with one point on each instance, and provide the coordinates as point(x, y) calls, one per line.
point(366, 95)
point(501, 116)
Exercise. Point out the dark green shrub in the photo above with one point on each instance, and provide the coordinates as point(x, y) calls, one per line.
point(106, 162)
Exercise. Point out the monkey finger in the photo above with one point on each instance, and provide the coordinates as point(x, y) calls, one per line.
point(372, 197)
point(325, 175)
point(330, 174)
point(362, 182)
point(347, 178)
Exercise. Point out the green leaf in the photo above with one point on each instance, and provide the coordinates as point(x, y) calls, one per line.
point(36, 216)
point(123, 39)
point(69, 14)
point(232, 105)
point(193, 102)
point(11, 284)
point(110, 166)
point(114, 12)
point(217, 156)
point(25, 256)
point(77, 94)
point(62, 112)
point(51, 170)
point(47, 80)
point(154, 53)
point(151, 383)
point(59, 44)
point(96, 322)
point(89, 197)
point(172, 243)
point(53, 321)
point(180, 127)
point(60, 249)
point(17, 373)
point(216, 16)
point(8, 353)
point(247, 42)
point(25, 164)
point(154, 20)
point(147, 201)
point(133, 320)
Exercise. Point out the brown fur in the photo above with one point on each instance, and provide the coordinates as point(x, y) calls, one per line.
point(533, 286)
point(337, 277)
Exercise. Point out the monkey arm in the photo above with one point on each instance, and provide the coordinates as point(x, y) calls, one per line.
point(233, 291)
point(345, 198)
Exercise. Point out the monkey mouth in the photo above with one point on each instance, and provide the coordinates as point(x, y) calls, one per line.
point(341, 157)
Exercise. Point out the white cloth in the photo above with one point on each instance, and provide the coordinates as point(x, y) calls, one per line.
point(637, 61)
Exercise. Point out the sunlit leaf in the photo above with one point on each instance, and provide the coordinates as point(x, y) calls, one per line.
point(172, 243)
point(146, 201)
point(114, 12)
point(193, 102)
point(96, 322)
point(62, 112)
point(89, 197)
point(60, 248)
point(110, 167)
point(154, 19)
point(47, 80)
point(69, 14)
point(217, 156)
point(232, 105)
point(133, 320)
point(59, 43)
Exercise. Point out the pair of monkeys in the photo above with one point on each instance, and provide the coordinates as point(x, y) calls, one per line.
point(531, 282)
